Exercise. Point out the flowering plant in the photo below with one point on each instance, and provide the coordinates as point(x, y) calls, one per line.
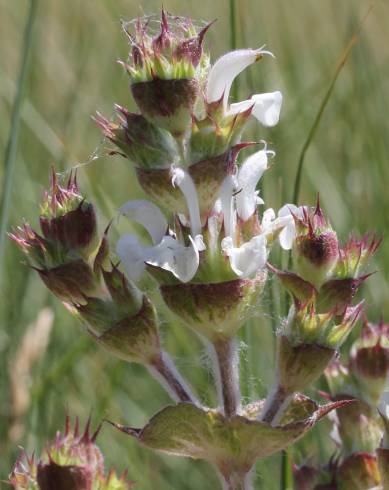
point(207, 247)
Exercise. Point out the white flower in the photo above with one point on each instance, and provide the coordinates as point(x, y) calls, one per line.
point(166, 252)
point(251, 256)
point(247, 259)
point(249, 175)
point(184, 181)
point(265, 107)
point(284, 220)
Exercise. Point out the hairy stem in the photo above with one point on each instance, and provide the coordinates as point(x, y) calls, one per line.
point(164, 370)
point(227, 375)
point(275, 405)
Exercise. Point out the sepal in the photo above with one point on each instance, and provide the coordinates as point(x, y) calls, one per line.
point(337, 294)
point(355, 255)
point(167, 103)
point(216, 310)
point(305, 325)
point(146, 145)
point(207, 176)
point(298, 366)
point(132, 338)
point(303, 292)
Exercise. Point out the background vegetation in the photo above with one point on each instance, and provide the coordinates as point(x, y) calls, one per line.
point(72, 72)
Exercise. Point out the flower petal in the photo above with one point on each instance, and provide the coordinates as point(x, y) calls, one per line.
point(286, 219)
point(287, 236)
point(249, 175)
point(249, 258)
point(267, 108)
point(267, 220)
point(132, 255)
point(239, 107)
point(148, 215)
point(226, 200)
point(226, 69)
point(188, 188)
point(172, 256)
point(289, 209)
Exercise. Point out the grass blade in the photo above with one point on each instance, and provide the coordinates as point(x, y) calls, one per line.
point(342, 61)
point(10, 151)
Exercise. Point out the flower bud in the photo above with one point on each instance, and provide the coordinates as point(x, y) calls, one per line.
point(339, 290)
point(146, 145)
point(357, 424)
point(67, 220)
point(307, 343)
point(166, 70)
point(305, 477)
point(355, 255)
point(315, 250)
point(116, 313)
point(71, 462)
point(123, 321)
point(333, 271)
point(358, 472)
point(305, 325)
point(358, 427)
point(69, 240)
point(370, 361)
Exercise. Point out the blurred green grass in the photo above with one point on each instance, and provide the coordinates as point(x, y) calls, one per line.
point(72, 74)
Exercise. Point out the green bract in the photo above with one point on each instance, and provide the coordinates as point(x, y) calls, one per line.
point(235, 443)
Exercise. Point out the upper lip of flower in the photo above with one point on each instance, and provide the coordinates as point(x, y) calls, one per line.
point(265, 107)
point(245, 182)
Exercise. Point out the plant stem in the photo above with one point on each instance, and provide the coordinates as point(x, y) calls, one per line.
point(164, 370)
point(275, 405)
point(286, 477)
point(10, 152)
point(227, 375)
